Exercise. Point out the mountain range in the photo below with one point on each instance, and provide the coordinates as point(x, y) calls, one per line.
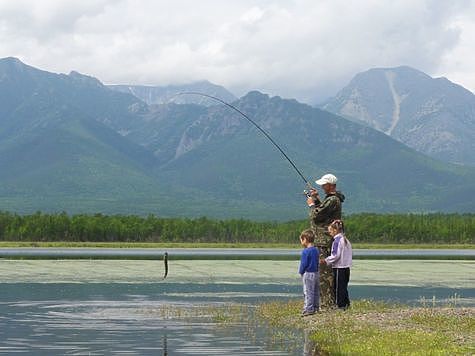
point(68, 142)
point(432, 115)
point(166, 94)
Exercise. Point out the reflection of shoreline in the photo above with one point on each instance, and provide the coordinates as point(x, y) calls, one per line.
point(308, 344)
point(105, 327)
point(165, 345)
point(149, 295)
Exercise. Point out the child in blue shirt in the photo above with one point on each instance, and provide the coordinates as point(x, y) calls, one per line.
point(309, 271)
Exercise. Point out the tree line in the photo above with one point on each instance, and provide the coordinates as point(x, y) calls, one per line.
point(373, 228)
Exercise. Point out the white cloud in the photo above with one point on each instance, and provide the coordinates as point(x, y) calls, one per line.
point(304, 48)
point(458, 64)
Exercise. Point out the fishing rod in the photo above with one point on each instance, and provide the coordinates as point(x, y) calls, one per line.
point(252, 122)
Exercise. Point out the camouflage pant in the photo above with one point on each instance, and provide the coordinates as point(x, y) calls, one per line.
point(327, 296)
point(324, 242)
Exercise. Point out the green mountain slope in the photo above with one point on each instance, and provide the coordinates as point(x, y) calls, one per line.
point(55, 154)
point(226, 156)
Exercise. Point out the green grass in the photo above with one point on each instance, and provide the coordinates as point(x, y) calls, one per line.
point(371, 246)
point(378, 328)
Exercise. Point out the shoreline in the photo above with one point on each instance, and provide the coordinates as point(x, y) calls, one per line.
point(219, 245)
point(236, 253)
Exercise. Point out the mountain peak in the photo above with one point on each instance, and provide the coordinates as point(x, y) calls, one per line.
point(404, 71)
point(402, 68)
point(431, 115)
point(153, 95)
point(13, 64)
point(13, 68)
point(85, 79)
point(255, 95)
point(11, 60)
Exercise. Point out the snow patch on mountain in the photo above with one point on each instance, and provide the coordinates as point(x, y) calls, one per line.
point(390, 75)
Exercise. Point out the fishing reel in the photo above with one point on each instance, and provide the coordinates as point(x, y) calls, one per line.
point(310, 193)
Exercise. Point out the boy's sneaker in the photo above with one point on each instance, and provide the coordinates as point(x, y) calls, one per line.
point(307, 314)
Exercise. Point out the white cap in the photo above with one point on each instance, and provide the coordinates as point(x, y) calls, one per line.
point(327, 179)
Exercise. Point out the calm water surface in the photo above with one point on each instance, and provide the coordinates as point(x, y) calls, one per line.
point(94, 307)
point(224, 253)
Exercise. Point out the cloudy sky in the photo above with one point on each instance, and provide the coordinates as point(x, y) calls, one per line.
point(306, 49)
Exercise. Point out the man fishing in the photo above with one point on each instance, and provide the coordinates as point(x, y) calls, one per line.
point(322, 213)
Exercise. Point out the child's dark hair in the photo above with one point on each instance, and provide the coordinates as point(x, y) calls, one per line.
point(338, 225)
point(308, 235)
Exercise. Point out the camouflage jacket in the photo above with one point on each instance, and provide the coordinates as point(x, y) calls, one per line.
point(323, 213)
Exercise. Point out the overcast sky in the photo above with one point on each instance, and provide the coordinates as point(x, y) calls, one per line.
point(305, 49)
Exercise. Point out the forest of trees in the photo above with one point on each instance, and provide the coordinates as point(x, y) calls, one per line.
point(375, 228)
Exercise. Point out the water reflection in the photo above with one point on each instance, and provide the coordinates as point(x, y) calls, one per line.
point(122, 327)
point(165, 346)
point(308, 344)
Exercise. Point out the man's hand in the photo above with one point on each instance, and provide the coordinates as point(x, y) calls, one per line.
point(322, 261)
point(313, 197)
point(314, 194)
point(310, 201)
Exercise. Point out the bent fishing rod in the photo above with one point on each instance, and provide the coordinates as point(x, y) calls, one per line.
point(264, 132)
point(252, 122)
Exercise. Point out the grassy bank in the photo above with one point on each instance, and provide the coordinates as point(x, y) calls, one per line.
point(369, 328)
point(66, 244)
point(376, 328)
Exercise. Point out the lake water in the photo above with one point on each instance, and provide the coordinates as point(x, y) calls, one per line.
point(93, 307)
point(226, 253)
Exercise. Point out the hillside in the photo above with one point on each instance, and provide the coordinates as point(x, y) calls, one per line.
point(55, 154)
point(220, 153)
point(432, 115)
